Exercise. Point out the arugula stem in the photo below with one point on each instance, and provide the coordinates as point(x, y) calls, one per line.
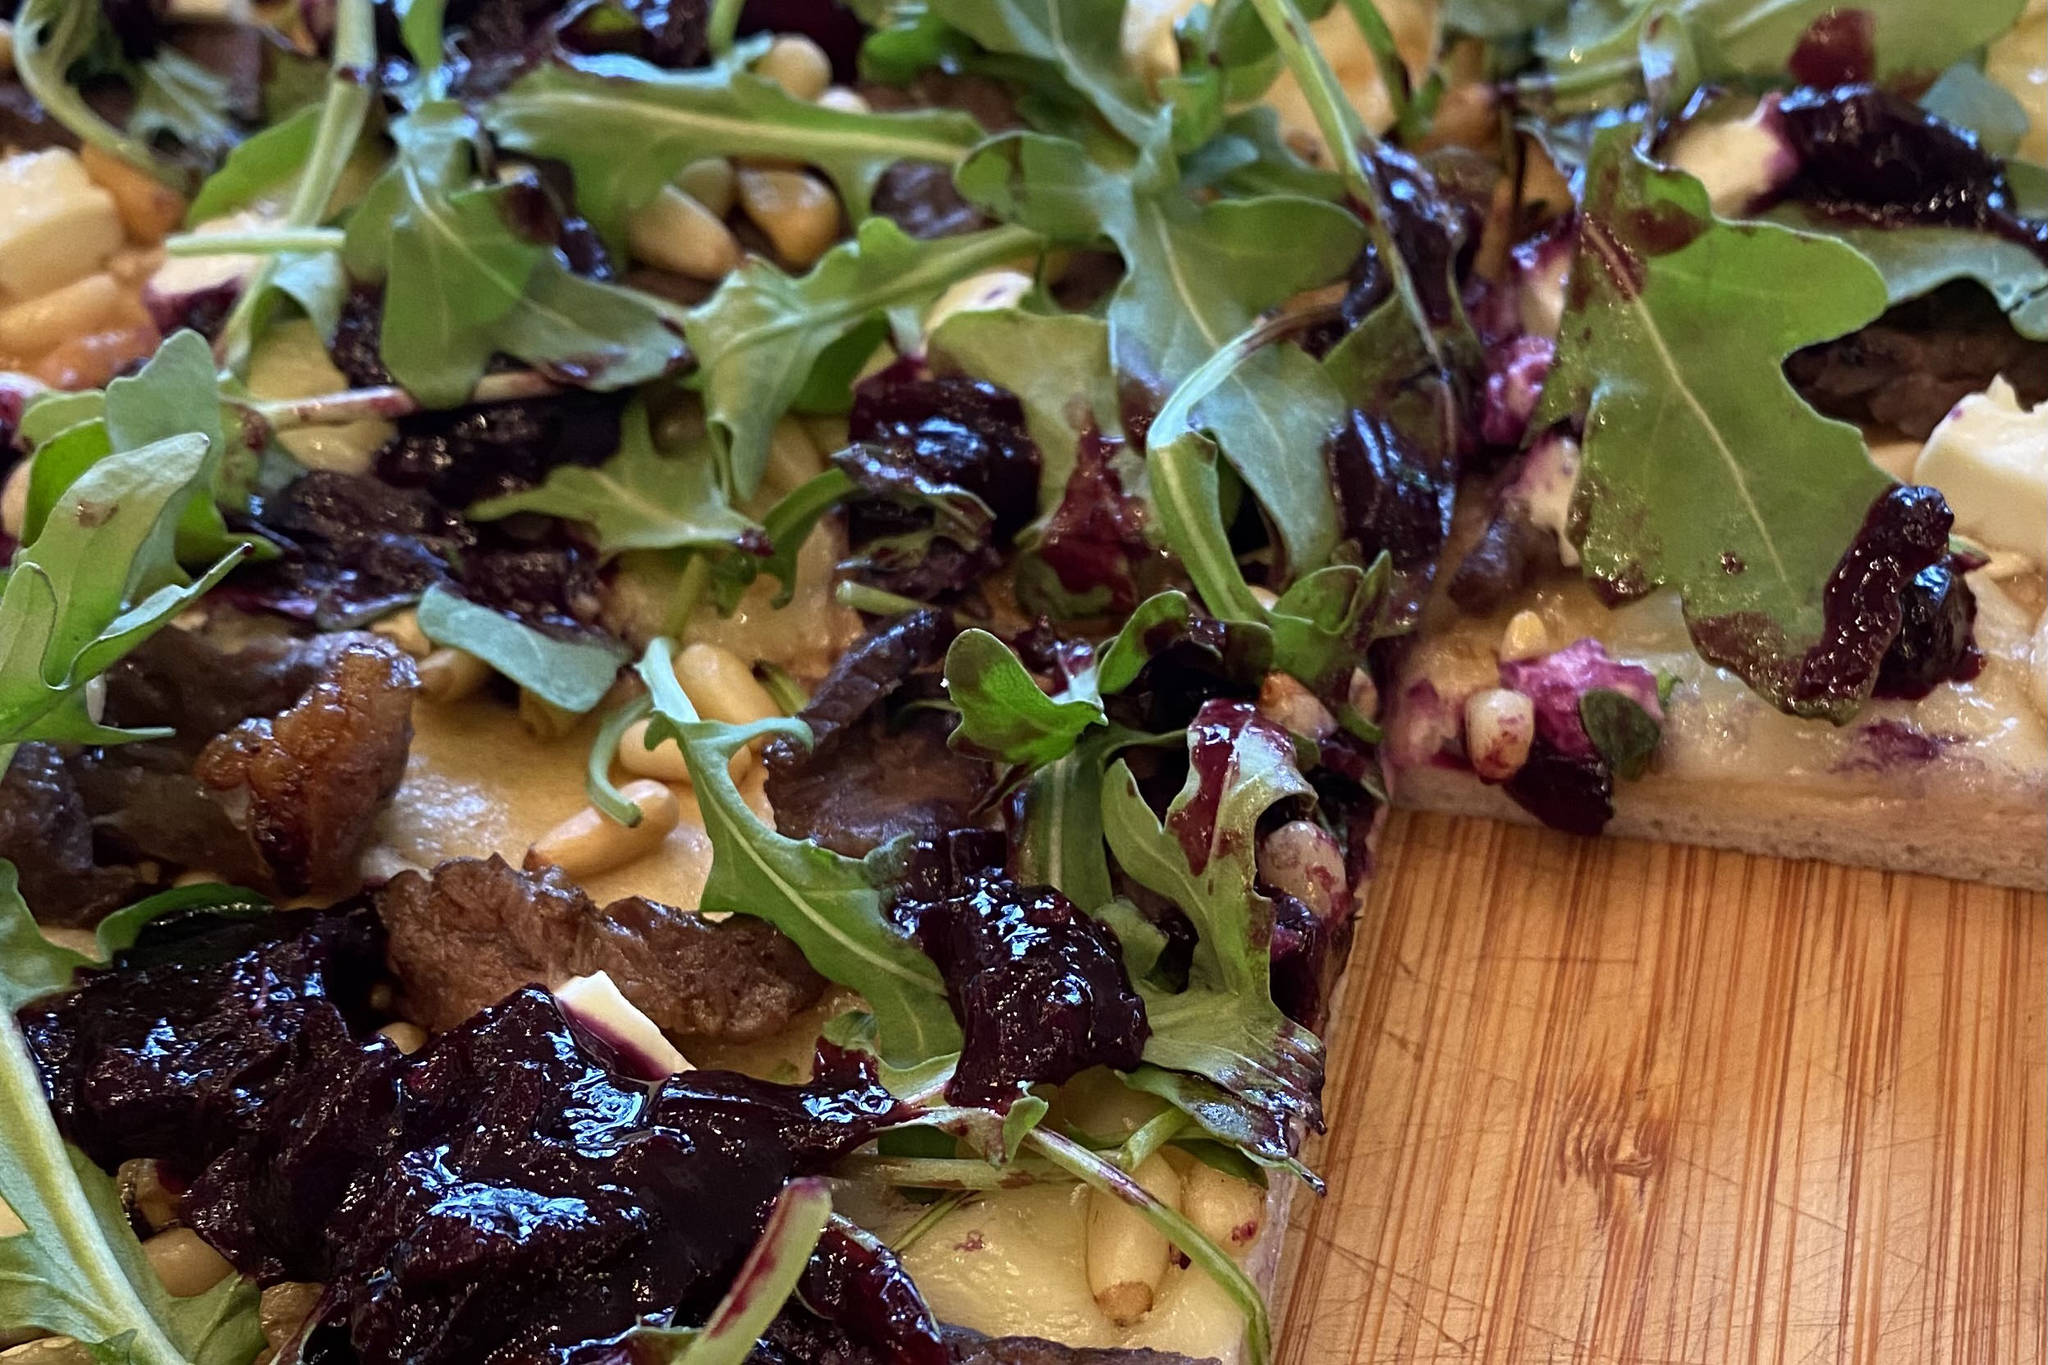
point(388, 401)
point(274, 242)
point(872, 600)
point(682, 604)
point(597, 777)
point(948, 1173)
point(723, 25)
point(1348, 141)
point(1106, 1176)
point(1304, 310)
point(1386, 55)
point(47, 37)
point(342, 115)
point(929, 1219)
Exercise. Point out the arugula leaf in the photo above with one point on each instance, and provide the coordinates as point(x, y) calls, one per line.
point(263, 164)
point(1058, 366)
point(1004, 713)
point(179, 101)
point(1197, 275)
point(829, 905)
point(764, 1283)
point(77, 1270)
point(1075, 41)
point(571, 674)
point(461, 284)
point(761, 336)
point(52, 39)
point(626, 128)
point(639, 499)
point(1595, 59)
point(1703, 469)
point(97, 581)
point(1224, 1026)
point(787, 526)
point(1625, 734)
point(1500, 18)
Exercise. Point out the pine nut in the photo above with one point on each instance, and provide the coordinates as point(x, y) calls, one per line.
point(842, 100)
point(407, 1038)
point(89, 361)
point(197, 876)
point(1288, 704)
point(449, 674)
point(14, 500)
point(47, 1351)
point(143, 1193)
point(665, 760)
point(1302, 860)
point(721, 685)
point(184, 1263)
point(590, 842)
point(988, 290)
point(1500, 724)
point(85, 305)
point(402, 628)
point(1127, 1256)
point(1265, 597)
point(1364, 695)
point(1228, 1211)
point(1525, 638)
point(675, 232)
point(709, 182)
point(149, 208)
point(797, 211)
point(796, 64)
point(284, 1308)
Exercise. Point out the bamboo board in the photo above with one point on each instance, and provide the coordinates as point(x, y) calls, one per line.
point(1619, 1103)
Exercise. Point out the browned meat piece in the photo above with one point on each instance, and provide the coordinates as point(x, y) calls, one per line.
point(1907, 369)
point(868, 777)
point(307, 783)
point(47, 834)
point(1502, 561)
point(477, 929)
point(185, 683)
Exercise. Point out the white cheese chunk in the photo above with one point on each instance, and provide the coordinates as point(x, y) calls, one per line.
point(1989, 458)
point(1146, 39)
point(596, 1003)
point(56, 225)
point(1738, 160)
point(1545, 486)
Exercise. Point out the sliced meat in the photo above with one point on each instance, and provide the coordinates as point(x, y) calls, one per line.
point(870, 776)
point(46, 832)
point(477, 929)
point(307, 783)
point(1907, 369)
point(184, 682)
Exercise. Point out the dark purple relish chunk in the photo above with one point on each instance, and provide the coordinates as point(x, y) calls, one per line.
point(1301, 959)
point(541, 208)
point(138, 26)
point(1868, 154)
point(1189, 667)
point(1937, 613)
point(1039, 987)
point(950, 431)
point(1905, 534)
point(1095, 539)
point(142, 1059)
point(1838, 48)
point(1394, 498)
point(858, 1286)
point(465, 455)
point(1574, 793)
point(921, 198)
point(668, 33)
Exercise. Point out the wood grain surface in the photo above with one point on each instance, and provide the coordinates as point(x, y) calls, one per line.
point(1613, 1102)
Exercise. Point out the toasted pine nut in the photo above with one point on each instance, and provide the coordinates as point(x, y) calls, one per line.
point(796, 64)
point(10, 1223)
point(1524, 638)
point(14, 500)
point(284, 1308)
point(184, 1263)
point(1284, 701)
point(990, 289)
point(1228, 1211)
point(143, 1192)
point(149, 208)
point(665, 760)
point(1365, 695)
point(197, 876)
point(1500, 724)
point(675, 232)
point(1301, 859)
point(1127, 1256)
point(88, 362)
point(47, 1351)
point(450, 674)
point(721, 686)
point(844, 101)
point(1265, 597)
point(797, 211)
point(407, 1038)
point(402, 628)
point(709, 182)
point(84, 305)
point(590, 842)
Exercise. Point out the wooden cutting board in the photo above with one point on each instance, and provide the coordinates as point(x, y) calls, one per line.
point(1619, 1103)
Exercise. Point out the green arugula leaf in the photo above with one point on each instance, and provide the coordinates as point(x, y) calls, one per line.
point(1224, 1026)
point(1075, 41)
point(1625, 734)
point(571, 674)
point(419, 25)
point(1196, 276)
point(461, 284)
point(829, 905)
point(98, 580)
point(787, 526)
point(1004, 713)
point(53, 39)
point(1699, 455)
point(265, 163)
point(764, 1283)
point(181, 102)
point(761, 336)
point(1968, 98)
point(626, 128)
point(1058, 366)
point(1500, 18)
point(639, 499)
point(77, 1270)
point(1595, 57)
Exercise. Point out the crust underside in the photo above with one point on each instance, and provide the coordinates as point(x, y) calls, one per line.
point(2001, 840)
